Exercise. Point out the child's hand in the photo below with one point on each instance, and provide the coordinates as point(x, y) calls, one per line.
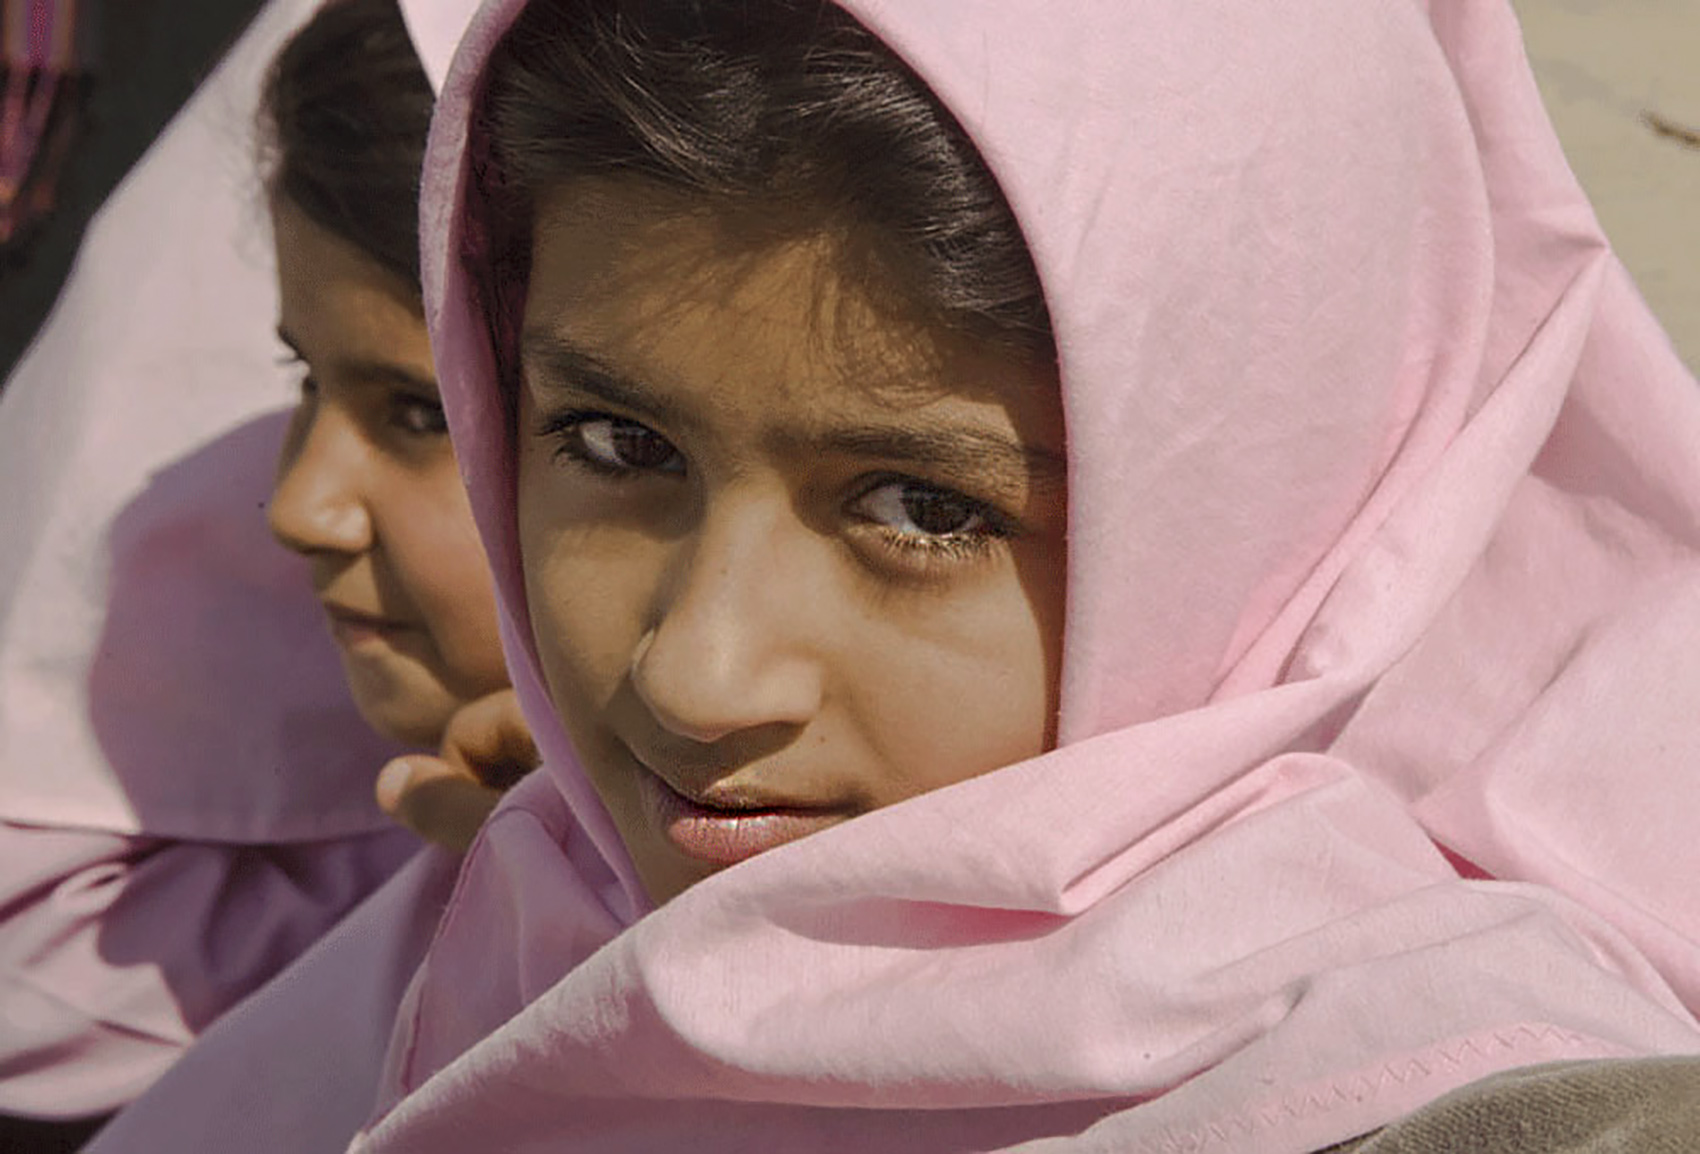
point(444, 799)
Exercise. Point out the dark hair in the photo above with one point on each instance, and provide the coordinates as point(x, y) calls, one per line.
point(786, 103)
point(344, 115)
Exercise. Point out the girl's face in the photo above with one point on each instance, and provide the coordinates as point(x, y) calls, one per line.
point(787, 560)
point(367, 490)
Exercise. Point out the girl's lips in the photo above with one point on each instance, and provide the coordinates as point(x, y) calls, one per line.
point(352, 628)
point(725, 836)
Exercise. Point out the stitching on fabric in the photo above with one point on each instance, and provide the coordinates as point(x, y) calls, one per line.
point(1364, 1087)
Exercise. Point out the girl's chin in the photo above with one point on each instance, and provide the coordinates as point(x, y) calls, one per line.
point(662, 870)
point(665, 880)
point(405, 714)
point(408, 730)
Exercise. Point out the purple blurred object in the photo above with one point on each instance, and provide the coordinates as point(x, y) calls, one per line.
point(43, 55)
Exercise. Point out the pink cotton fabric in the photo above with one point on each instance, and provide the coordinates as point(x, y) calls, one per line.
point(293, 1068)
point(116, 952)
point(1385, 514)
point(185, 785)
point(436, 27)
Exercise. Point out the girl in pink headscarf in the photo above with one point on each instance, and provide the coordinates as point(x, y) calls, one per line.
point(894, 801)
point(1094, 577)
point(367, 489)
point(238, 824)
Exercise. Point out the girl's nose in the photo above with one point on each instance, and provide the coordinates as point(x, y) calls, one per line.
point(317, 505)
point(730, 647)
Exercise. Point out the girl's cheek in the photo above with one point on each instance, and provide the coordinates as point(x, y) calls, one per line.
point(968, 691)
point(449, 580)
point(588, 587)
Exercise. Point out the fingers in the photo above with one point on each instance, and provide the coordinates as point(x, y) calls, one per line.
point(486, 749)
point(439, 801)
point(489, 740)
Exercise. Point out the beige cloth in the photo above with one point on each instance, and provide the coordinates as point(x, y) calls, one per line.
point(1640, 1106)
point(1602, 65)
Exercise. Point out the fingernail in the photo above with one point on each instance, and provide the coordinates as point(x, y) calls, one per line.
point(392, 783)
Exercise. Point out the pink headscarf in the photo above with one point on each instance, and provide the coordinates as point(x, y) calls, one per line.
point(185, 785)
point(1385, 514)
point(137, 446)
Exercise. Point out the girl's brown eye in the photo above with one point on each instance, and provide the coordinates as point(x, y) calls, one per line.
point(616, 444)
point(418, 416)
point(911, 508)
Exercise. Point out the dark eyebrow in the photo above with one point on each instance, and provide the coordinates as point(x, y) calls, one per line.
point(959, 450)
point(552, 361)
point(373, 372)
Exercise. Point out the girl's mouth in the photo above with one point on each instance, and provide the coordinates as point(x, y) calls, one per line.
point(352, 628)
point(724, 836)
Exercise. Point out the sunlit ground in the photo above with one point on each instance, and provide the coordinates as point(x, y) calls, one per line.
point(1603, 65)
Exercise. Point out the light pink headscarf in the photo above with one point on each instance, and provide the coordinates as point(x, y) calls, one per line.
point(185, 786)
point(1385, 503)
point(293, 1067)
point(137, 447)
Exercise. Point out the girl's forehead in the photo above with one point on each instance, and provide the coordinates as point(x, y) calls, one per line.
point(628, 274)
point(668, 319)
point(642, 240)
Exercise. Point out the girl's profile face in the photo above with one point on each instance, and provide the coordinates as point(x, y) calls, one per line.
point(787, 559)
point(367, 490)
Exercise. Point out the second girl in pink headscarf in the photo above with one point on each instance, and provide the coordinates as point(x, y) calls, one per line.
point(222, 819)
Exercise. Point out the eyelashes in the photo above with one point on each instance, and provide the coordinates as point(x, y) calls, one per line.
point(610, 446)
point(404, 417)
point(918, 523)
point(925, 522)
point(297, 364)
point(417, 416)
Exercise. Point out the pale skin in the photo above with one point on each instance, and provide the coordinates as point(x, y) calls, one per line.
point(368, 492)
point(791, 555)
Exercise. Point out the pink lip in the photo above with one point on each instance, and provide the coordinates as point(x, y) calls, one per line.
point(351, 627)
point(725, 836)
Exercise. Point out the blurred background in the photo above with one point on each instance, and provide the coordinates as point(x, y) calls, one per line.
point(125, 67)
